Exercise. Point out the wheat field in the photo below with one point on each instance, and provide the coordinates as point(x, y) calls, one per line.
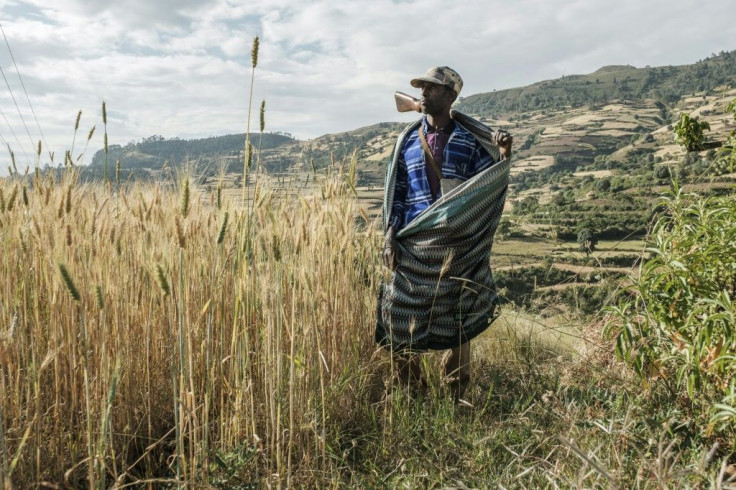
point(146, 327)
point(160, 335)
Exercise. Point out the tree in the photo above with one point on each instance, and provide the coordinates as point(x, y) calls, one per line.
point(689, 132)
point(603, 185)
point(504, 229)
point(559, 199)
point(526, 206)
point(587, 241)
point(662, 172)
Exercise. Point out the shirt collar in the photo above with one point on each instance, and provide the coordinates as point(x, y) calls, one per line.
point(448, 129)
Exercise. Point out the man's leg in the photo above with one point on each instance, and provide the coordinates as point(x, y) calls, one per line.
point(457, 369)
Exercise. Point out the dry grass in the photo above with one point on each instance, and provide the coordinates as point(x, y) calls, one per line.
point(140, 333)
point(537, 162)
point(189, 343)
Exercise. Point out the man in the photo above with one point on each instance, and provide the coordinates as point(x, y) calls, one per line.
point(441, 292)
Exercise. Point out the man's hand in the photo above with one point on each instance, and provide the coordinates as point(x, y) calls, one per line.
point(390, 250)
point(504, 141)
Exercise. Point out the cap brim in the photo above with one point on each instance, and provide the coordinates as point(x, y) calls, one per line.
point(417, 82)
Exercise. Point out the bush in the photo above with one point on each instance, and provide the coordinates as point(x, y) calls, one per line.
point(504, 229)
point(725, 160)
point(690, 133)
point(559, 199)
point(587, 241)
point(680, 326)
point(662, 172)
point(603, 185)
point(526, 206)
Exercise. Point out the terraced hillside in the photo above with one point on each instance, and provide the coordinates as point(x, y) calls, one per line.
point(593, 152)
point(575, 117)
point(665, 83)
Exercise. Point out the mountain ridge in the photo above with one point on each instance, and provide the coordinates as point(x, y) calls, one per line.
point(652, 97)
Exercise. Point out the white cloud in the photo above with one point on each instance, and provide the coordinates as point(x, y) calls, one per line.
point(182, 67)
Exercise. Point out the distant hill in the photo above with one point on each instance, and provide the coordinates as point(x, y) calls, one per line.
point(570, 122)
point(151, 153)
point(665, 83)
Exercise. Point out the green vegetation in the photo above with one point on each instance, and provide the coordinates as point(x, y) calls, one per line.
point(690, 132)
point(665, 83)
point(679, 327)
point(587, 241)
point(725, 159)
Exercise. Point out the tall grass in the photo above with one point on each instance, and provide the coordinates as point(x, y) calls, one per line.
point(138, 343)
point(159, 334)
point(248, 148)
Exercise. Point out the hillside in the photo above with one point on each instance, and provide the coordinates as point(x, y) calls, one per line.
point(144, 158)
point(665, 83)
point(599, 167)
point(570, 121)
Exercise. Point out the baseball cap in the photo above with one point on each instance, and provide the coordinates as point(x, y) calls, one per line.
point(442, 75)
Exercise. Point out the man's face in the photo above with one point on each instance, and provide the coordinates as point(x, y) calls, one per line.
point(436, 99)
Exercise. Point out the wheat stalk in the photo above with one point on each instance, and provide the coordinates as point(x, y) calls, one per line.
point(184, 207)
point(11, 200)
point(104, 122)
point(221, 234)
point(69, 153)
point(69, 283)
point(246, 158)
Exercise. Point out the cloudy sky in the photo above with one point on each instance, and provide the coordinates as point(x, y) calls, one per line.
point(182, 68)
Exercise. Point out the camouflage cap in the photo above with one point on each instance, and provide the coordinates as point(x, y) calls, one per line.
point(442, 75)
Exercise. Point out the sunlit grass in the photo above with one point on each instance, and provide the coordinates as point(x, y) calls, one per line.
point(135, 319)
point(146, 337)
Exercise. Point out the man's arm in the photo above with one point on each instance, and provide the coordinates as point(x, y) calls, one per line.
point(481, 159)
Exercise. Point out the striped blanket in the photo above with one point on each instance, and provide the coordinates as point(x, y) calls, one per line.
point(442, 293)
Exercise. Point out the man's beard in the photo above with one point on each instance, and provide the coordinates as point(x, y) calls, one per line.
point(426, 107)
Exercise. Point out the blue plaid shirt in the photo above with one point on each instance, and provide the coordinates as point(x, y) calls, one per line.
point(463, 158)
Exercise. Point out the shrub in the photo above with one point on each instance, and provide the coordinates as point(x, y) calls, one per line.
point(725, 158)
point(559, 199)
point(662, 172)
point(504, 229)
point(526, 206)
point(680, 326)
point(587, 241)
point(690, 133)
point(603, 185)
